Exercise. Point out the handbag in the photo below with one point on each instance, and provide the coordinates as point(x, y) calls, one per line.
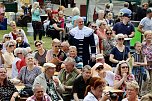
point(26, 92)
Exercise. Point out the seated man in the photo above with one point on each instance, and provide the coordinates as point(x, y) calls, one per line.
point(39, 94)
point(81, 82)
point(67, 76)
point(52, 85)
point(100, 59)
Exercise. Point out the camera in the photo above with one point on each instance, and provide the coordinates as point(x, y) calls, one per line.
point(113, 96)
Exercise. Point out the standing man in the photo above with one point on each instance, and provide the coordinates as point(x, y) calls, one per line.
point(82, 37)
point(125, 27)
point(126, 9)
point(81, 82)
point(67, 76)
point(146, 23)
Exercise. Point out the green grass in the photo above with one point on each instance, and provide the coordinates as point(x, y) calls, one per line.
point(46, 40)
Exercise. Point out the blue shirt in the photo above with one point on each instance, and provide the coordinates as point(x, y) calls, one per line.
point(120, 27)
point(36, 15)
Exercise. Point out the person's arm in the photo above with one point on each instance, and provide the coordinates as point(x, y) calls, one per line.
point(112, 59)
point(75, 96)
point(133, 62)
point(14, 96)
point(140, 28)
point(129, 57)
point(131, 35)
point(142, 63)
point(57, 28)
point(118, 83)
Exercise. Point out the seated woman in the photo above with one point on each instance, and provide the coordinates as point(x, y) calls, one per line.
point(15, 31)
point(40, 53)
point(123, 75)
point(73, 54)
point(119, 52)
point(132, 91)
point(28, 73)
point(8, 92)
point(95, 89)
point(56, 55)
point(6, 37)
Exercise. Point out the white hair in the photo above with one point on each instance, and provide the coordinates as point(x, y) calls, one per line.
point(75, 11)
point(119, 35)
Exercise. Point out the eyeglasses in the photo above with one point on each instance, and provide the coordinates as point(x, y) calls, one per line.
point(39, 92)
point(38, 45)
point(94, 26)
point(7, 37)
point(19, 53)
point(3, 72)
point(11, 45)
point(108, 33)
point(124, 67)
point(120, 39)
point(57, 46)
point(30, 58)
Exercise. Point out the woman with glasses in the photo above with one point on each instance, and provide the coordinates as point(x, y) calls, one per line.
point(6, 37)
point(120, 51)
point(101, 33)
point(8, 92)
point(108, 45)
point(41, 53)
point(13, 34)
point(122, 75)
point(9, 57)
point(56, 55)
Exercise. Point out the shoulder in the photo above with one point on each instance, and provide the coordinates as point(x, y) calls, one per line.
point(125, 99)
point(90, 97)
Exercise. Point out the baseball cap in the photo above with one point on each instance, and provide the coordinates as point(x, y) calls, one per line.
point(46, 65)
point(126, 15)
point(99, 56)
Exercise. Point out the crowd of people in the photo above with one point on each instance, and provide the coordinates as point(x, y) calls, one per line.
point(81, 63)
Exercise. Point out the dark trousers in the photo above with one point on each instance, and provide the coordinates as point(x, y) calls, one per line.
point(67, 98)
point(38, 29)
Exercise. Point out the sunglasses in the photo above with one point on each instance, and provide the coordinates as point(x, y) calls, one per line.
point(120, 39)
point(7, 37)
point(125, 67)
point(11, 45)
point(108, 33)
point(38, 45)
point(57, 46)
point(19, 53)
point(94, 26)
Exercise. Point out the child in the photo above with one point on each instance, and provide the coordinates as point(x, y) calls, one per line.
point(139, 61)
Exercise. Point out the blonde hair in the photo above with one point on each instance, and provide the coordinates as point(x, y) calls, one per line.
point(75, 11)
point(55, 41)
point(118, 67)
point(119, 35)
point(147, 32)
point(12, 22)
point(73, 47)
point(18, 50)
point(133, 84)
point(147, 97)
point(100, 11)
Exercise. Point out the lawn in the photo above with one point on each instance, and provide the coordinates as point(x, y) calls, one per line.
point(46, 40)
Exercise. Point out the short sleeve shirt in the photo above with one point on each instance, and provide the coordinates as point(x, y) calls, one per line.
point(146, 23)
point(124, 29)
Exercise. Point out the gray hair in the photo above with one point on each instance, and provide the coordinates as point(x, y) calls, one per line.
point(72, 47)
point(147, 97)
point(75, 11)
point(18, 50)
point(69, 59)
point(119, 35)
point(37, 86)
point(86, 67)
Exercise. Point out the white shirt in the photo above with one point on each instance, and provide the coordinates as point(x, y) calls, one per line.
point(125, 99)
point(90, 97)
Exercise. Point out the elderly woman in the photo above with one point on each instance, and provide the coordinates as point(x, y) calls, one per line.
point(147, 51)
point(18, 52)
point(101, 14)
point(6, 37)
point(55, 55)
point(29, 72)
point(9, 57)
point(122, 75)
point(101, 32)
point(41, 53)
point(132, 91)
point(108, 45)
point(8, 92)
point(119, 52)
point(75, 16)
point(15, 31)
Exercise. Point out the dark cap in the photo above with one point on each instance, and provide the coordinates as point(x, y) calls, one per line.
point(126, 15)
point(149, 10)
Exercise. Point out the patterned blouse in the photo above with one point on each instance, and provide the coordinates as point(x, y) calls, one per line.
point(130, 77)
point(6, 91)
point(147, 51)
point(45, 98)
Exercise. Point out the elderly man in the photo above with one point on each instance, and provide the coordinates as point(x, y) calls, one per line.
point(81, 82)
point(67, 76)
point(52, 85)
point(39, 94)
point(82, 37)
